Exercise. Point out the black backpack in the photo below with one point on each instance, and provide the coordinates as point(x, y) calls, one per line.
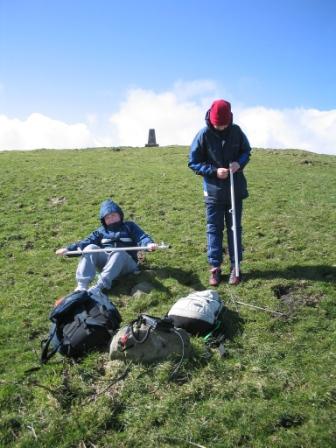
point(80, 322)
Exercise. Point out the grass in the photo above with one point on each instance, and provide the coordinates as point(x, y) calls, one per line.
point(276, 385)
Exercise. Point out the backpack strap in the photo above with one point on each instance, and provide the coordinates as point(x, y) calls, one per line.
point(178, 365)
point(139, 321)
point(152, 323)
point(210, 336)
point(45, 353)
point(216, 337)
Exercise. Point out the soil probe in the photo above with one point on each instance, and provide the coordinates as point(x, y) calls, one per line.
point(234, 223)
point(108, 250)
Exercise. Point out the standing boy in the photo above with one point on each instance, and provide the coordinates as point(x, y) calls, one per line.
point(214, 148)
point(114, 232)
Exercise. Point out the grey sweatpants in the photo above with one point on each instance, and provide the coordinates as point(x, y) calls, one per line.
point(109, 266)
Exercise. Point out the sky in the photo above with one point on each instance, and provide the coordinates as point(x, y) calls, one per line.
point(89, 73)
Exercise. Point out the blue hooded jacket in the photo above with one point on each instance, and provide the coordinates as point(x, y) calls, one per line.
point(120, 234)
point(212, 149)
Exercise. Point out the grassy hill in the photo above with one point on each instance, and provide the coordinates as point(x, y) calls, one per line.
point(276, 386)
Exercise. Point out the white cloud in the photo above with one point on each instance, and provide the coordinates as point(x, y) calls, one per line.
point(310, 129)
point(39, 131)
point(176, 115)
point(195, 90)
point(175, 120)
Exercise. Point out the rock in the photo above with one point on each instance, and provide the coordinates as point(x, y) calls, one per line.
point(141, 288)
point(57, 201)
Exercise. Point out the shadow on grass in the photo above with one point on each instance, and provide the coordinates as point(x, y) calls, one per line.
point(124, 285)
point(184, 277)
point(321, 273)
point(232, 324)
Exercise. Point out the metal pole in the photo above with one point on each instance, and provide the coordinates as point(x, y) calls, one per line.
point(267, 310)
point(113, 249)
point(234, 223)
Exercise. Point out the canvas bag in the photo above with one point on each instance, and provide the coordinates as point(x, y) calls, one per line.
point(80, 322)
point(148, 339)
point(198, 312)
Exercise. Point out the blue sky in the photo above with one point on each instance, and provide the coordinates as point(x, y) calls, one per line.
point(81, 73)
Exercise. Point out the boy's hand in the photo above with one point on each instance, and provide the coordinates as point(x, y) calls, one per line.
point(151, 247)
point(61, 251)
point(235, 166)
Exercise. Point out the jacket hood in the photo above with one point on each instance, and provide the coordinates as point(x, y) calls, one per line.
point(107, 207)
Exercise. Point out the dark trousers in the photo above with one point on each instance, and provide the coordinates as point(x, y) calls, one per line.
point(219, 217)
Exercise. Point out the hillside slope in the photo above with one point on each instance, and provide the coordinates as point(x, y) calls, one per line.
point(276, 385)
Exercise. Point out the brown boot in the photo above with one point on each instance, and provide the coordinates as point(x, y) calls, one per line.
point(234, 280)
point(215, 276)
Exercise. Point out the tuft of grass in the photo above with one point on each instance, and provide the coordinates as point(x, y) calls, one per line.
point(275, 386)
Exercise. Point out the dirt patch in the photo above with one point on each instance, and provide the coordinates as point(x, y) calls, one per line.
point(296, 296)
point(29, 245)
point(290, 421)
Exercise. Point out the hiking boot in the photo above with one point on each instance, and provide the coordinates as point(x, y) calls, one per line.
point(234, 280)
point(215, 276)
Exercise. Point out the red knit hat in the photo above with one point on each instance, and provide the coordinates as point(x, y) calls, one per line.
point(220, 113)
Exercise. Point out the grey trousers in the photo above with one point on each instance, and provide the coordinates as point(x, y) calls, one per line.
point(109, 266)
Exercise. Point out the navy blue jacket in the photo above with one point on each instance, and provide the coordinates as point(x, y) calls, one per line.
point(212, 149)
point(121, 234)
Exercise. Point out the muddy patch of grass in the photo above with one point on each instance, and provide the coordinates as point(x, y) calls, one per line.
point(294, 296)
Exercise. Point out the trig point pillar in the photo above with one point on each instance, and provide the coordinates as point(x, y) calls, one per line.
point(151, 138)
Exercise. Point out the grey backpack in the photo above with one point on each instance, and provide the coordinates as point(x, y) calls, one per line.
point(197, 313)
point(148, 339)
